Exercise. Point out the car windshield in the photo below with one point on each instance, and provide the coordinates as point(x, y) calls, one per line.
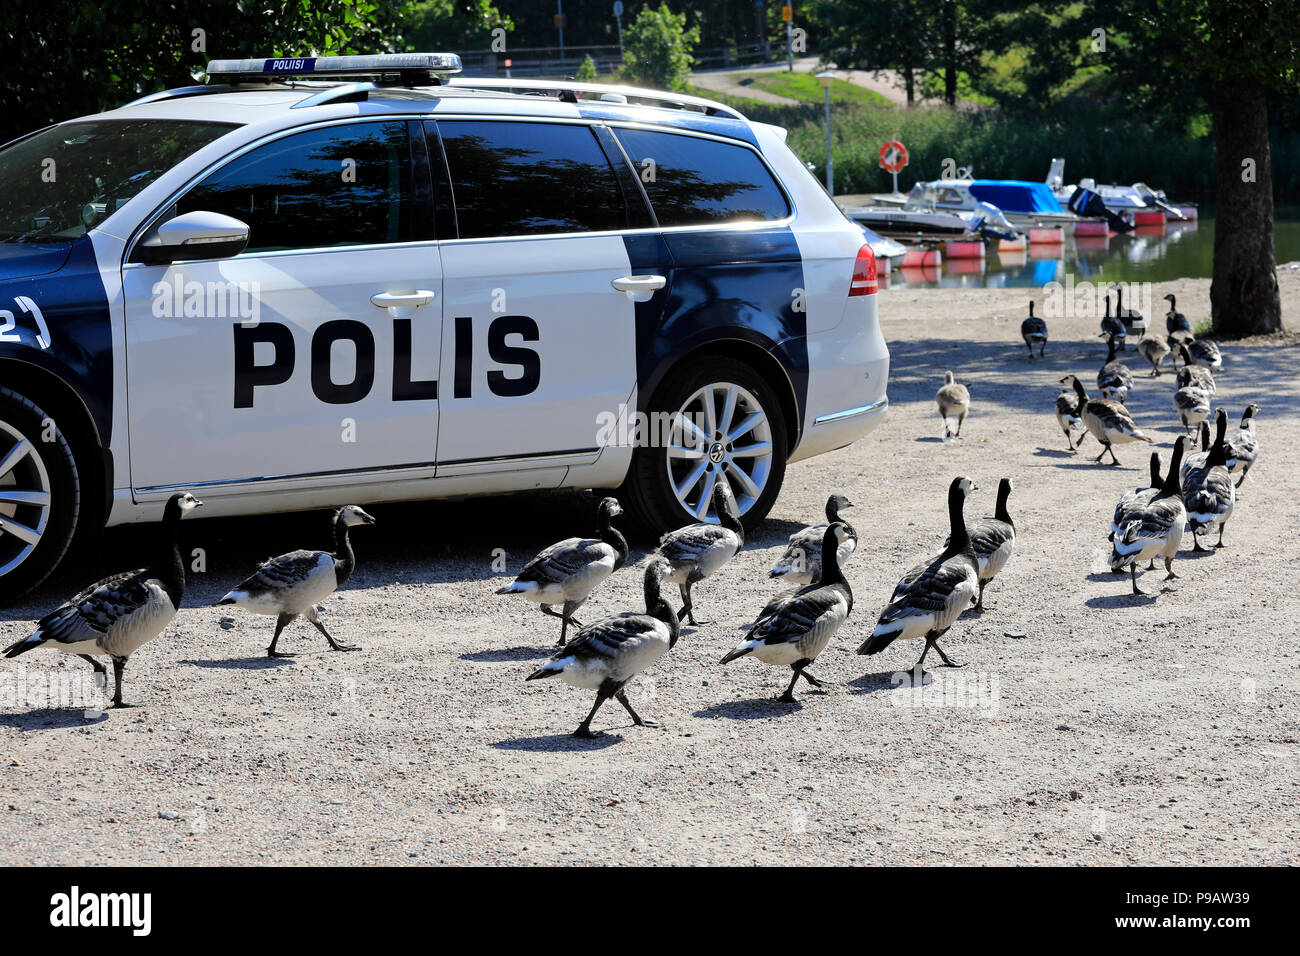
point(64, 180)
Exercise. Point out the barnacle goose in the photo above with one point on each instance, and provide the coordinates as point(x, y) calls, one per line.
point(1131, 502)
point(1175, 321)
point(121, 613)
point(608, 653)
point(1034, 331)
point(1153, 529)
point(568, 571)
point(1109, 422)
point(293, 584)
point(1114, 379)
point(1113, 328)
point(1069, 415)
point(930, 597)
point(1208, 491)
point(1193, 374)
point(1193, 405)
point(801, 563)
point(1205, 353)
point(993, 539)
point(1243, 447)
point(1127, 316)
point(698, 550)
point(796, 626)
point(954, 400)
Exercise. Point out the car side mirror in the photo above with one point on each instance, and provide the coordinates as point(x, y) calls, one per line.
point(193, 235)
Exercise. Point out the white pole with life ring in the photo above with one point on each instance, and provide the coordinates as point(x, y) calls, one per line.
point(893, 158)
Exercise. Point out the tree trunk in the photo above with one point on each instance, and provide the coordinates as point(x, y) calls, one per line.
point(950, 52)
point(909, 81)
point(1243, 296)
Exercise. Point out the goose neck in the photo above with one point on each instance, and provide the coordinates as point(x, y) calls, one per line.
point(614, 538)
point(345, 561)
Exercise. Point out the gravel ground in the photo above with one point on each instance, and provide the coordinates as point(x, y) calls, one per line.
point(1089, 726)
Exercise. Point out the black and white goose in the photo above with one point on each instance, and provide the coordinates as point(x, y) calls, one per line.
point(1069, 415)
point(1114, 379)
point(1193, 405)
point(796, 626)
point(293, 584)
point(1196, 459)
point(118, 615)
point(1175, 321)
point(802, 561)
point(608, 653)
point(1034, 331)
point(1132, 502)
point(698, 550)
point(1113, 328)
point(568, 571)
point(993, 539)
point(1129, 317)
point(1194, 374)
point(1154, 349)
point(1206, 353)
point(1109, 422)
point(930, 597)
point(1154, 529)
point(1208, 491)
point(1243, 447)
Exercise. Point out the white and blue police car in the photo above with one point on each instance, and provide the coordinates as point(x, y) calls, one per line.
point(318, 280)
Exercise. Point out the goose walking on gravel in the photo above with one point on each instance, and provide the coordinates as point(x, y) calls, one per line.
point(698, 550)
point(796, 626)
point(1208, 491)
point(1175, 321)
point(1069, 415)
point(1132, 502)
point(993, 539)
point(1243, 447)
point(1114, 379)
point(954, 402)
point(1154, 529)
point(568, 571)
point(1205, 353)
point(1129, 317)
point(116, 616)
point(1034, 331)
point(608, 653)
point(1193, 405)
point(1154, 349)
point(802, 561)
point(1109, 422)
point(1197, 375)
point(1113, 328)
point(930, 597)
point(1196, 459)
point(293, 584)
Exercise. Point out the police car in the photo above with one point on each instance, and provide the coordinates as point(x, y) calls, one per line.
point(318, 280)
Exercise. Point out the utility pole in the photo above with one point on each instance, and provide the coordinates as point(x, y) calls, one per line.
point(559, 25)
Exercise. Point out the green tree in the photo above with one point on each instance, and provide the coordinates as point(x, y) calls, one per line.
point(587, 71)
point(66, 58)
point(452, 26)
point(657, 48)
point(1235, 53)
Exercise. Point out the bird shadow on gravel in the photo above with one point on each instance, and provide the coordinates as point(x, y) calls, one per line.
point(757, 708)
point(262, 663)
point(559, 743)
point(1053, 453)
point(887, 680)
point(51, 718)
point(1111, 601)
point(507, 654)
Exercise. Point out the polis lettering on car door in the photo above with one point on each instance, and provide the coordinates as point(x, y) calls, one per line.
point(250, 375)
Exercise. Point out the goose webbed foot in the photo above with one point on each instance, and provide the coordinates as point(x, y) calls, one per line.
point(621, 697)
point(813, 680)
point(122, 705)
point(788, 696)
point(99, 668)
point(584, 733)
point(336, 646)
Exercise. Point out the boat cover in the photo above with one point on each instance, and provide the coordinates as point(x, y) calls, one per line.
point(1015, 195)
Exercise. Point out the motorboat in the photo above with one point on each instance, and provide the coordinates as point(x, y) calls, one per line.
point(1137, 199)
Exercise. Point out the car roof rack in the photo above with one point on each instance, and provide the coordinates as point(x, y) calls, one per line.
point(609, 93)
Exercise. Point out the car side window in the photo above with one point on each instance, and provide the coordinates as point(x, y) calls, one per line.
point(334, 186)
point(693, 181)
point(520, 179)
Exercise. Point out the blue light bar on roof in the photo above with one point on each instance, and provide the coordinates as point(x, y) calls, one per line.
point(377, 64)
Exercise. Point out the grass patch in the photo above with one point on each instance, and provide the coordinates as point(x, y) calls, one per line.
point(805, 88)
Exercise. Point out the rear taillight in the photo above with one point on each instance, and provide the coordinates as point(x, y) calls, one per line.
point(864, 274)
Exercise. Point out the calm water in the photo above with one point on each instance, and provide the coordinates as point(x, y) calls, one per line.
point(1150, 254)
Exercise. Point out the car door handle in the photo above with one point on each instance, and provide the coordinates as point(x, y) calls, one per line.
point(402, 300)
point(639, 283)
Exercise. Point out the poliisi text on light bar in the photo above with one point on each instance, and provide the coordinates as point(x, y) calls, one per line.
point(374, 65)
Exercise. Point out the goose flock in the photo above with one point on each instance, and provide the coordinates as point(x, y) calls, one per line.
point(1194, 491)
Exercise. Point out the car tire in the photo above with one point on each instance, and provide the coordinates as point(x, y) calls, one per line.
point(37, 462)
point(658, 492)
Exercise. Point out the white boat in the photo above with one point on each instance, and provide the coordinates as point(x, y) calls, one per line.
point(1137, 198)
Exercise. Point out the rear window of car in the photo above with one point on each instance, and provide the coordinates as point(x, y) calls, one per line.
point(520, 179)
point(693, 181)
